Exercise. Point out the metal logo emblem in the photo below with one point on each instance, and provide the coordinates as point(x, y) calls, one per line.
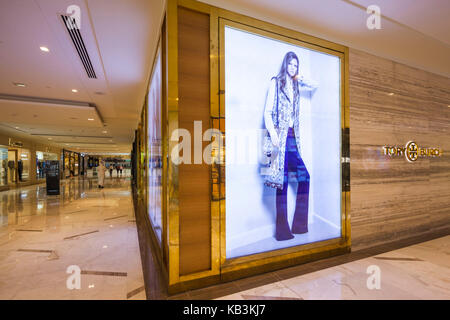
point(412, 151)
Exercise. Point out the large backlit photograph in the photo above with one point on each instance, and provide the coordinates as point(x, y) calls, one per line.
point(154, 148)
point(283, 144)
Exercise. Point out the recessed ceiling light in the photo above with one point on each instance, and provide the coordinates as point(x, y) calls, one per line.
point(105, 131)
point(17, 127)
point(19, 84)
point(74, 90)
point(90, 119)
point(49, 138)
point(390, 94)
point(45, 49)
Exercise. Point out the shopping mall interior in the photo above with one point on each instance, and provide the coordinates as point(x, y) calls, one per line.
point(224, 150)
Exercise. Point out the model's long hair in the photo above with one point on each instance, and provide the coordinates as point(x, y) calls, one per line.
point(283, 73)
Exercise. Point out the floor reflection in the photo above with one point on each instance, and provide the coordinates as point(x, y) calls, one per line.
point(41, 236)
point(16, 204)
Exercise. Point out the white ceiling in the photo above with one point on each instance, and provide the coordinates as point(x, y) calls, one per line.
point(414, 32)
point(430, 17)
point(121, 37)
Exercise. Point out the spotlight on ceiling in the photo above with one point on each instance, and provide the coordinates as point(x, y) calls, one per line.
point(19, 84)
point(74, 90)
point(91, 119)
point(45, 49)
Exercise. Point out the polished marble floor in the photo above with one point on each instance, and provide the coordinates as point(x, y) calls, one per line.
point(95, 230)
point(92, 229)
point(420, 271)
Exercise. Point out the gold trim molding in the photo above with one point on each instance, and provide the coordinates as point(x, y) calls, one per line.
point(223, 269)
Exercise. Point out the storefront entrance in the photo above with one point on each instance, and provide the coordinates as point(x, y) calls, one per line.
point(12, 166)
point(42, 162)
point(3, 166)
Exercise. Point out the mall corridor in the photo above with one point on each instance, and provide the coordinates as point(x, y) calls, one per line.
point(224, 150)
point(84, 226)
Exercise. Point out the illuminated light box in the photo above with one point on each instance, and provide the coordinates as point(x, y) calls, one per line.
point(283, 148)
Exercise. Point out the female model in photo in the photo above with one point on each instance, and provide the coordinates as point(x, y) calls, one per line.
point(281, 118)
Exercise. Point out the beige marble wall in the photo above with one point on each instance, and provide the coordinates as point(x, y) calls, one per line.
point(391, 104)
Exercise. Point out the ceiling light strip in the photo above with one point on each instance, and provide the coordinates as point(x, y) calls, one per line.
point(71, 103)
point(74, 143)
point(67, 135)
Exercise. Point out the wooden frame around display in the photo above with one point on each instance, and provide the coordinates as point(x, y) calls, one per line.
point(223, 269)
point(276, 257)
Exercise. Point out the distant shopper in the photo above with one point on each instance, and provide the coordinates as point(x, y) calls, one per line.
point(101, 170)
point(120, 169)
point(117, 169)
point(111, 168)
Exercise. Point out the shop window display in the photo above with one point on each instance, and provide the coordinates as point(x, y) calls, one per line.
point(42, 162)
point(12, 166)
point(3, 166)
point(23, 165)
point(76, 164)
point(286, 190)
point(71, 164)
point(154, 148)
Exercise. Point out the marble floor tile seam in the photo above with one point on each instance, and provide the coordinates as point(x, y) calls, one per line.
point(69, 231)
point(42, 267)
point(354, 261)
point(433, 257)
point(277, 290)
point(75, 231)
point(40, 263)
point(403, 276)
point(333, 289)
point(410, 266)
point(21, 214)
point(371, 261)
point(364, 276)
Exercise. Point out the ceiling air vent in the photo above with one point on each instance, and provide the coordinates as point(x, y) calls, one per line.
point(78, 42)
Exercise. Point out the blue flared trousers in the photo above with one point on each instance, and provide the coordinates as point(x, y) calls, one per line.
point(292, 163)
